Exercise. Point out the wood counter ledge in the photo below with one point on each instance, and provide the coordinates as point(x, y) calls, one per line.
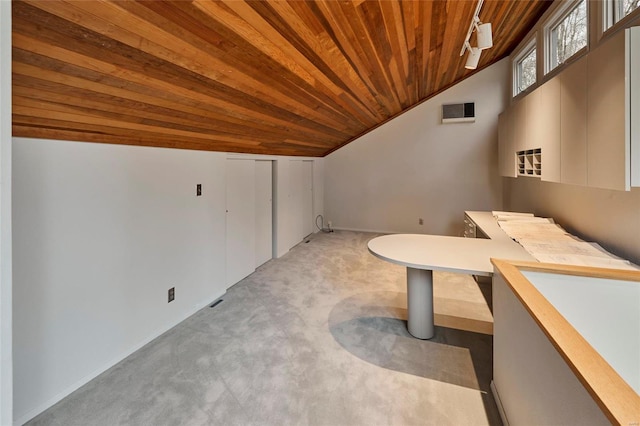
point(615, 397)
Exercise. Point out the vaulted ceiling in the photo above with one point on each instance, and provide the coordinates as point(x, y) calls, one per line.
point(268, 77)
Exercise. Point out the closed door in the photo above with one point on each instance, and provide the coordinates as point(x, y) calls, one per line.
point(295, 201)
point(264, 212)
point(241, 225)
point(301, 199)
point(307, 198)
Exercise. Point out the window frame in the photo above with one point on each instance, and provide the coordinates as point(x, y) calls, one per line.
point(600, 27)
point(612, 16)
point(529, 47)
point(552, 23)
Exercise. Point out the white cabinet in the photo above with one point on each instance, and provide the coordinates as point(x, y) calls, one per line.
point(612, 80)
point(506, 144)
point(307, 198)
point(530, 129)
point(249, 236)
point(512, 137)
point(301, 199)
point(241, 235)
point(545, 115)
point(519, 131)
point(606, 149)
point(585, 120)
point(633, 90)
point(573, 119)
point(264, 211)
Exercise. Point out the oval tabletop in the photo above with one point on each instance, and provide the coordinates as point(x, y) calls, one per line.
point(443, 253)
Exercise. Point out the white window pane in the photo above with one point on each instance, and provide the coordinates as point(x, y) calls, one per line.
point(526, 70)
point(629, 6)
point(570, 35)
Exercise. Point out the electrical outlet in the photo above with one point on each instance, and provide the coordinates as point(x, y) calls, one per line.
point(198, 189)
point(172, 294)
point(420, 221)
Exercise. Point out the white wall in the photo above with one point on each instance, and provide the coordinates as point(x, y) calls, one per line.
point(6, 366)
point(534, 383)
point(415, 167)
point(285, 234)
point(101, 232)
point(611, 218)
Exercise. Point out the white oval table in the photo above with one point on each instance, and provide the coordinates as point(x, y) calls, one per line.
point(423, 254)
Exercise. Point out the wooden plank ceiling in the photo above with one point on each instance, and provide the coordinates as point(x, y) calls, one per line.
point(269, 77)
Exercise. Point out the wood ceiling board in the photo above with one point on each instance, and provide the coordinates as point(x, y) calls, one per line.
point(269, 77)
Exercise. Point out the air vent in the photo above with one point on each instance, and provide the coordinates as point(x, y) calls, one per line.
point(459, 113)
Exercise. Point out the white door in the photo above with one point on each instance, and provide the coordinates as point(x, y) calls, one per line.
point(241, 235)
point(295, 201)
point(264, 212)
point(307, 198)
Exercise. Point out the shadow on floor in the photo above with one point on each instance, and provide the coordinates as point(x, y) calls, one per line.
point(373, 327)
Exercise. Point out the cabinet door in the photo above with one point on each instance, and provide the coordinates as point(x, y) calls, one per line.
point(264, 212)
point(506, 148)
point(544, 129)
point(519, 120)
point(633, 80)
point(296, 211)
point(573, 116)
point(606, 146)
point(240, 219)
point(307, 198)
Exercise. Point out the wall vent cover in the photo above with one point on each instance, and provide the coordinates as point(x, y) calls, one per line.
point(459, 113)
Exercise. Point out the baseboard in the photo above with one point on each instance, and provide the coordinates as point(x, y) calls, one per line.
point(375, 231)
point(496, 397)
point(86, 379)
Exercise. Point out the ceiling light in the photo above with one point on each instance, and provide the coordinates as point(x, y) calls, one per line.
point(473, 58)
point(484, 36)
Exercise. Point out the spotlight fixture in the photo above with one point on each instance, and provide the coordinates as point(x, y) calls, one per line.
point(483, 35)
point(484, 39)
point(473, 58)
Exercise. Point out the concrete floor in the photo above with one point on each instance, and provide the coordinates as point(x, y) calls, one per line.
point(317, 337)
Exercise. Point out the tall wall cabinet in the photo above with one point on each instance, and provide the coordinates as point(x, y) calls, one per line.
point(249, 217)
point(585, 121)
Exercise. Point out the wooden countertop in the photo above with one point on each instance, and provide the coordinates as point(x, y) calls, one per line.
point(617, 399)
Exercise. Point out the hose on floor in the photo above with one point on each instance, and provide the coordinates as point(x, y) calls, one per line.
point(321, 226)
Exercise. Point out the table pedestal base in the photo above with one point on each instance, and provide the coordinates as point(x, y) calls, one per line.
point(420, 303)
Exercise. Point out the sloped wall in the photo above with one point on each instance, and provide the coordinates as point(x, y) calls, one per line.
point(415, 167)
point(102, 233)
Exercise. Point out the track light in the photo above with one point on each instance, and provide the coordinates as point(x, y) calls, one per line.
point(483, 35)
point(473, 58)
point(484, 39)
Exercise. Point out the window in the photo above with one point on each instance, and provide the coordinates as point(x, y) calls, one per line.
point(526, 70)
point(615, 10)
point(569, 35)
point(629, 6)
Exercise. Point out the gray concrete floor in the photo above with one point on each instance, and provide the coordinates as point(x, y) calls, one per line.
point(317, 337)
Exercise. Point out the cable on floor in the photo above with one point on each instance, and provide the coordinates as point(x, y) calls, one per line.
point(321, 226)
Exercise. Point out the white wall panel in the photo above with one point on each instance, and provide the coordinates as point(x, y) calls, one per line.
point(296, 200)
point(307, 198)
point(263, 212)
point(533, 381)
point(241, 222)
point(415, 167)
point(6, 362)
point(609, 217)
point(101, 233)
